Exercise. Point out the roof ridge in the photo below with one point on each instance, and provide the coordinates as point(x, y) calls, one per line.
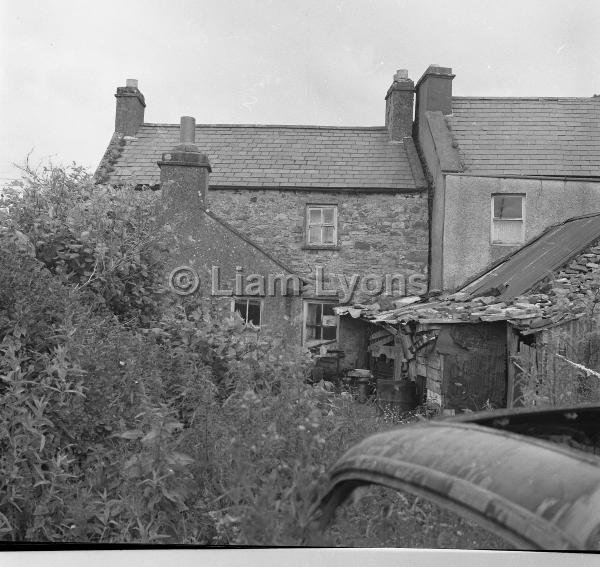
point(284, 126)
point(573, 98)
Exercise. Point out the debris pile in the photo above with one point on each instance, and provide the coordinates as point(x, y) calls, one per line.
point(564, 295)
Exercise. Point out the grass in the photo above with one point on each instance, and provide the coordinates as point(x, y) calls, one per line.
point(381, 517)
point(375, 516)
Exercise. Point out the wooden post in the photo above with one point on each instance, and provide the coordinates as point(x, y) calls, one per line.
point(407, 344)
point(512, 343)
point(398, 351)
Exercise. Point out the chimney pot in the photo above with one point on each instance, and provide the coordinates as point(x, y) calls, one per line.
point(132, 83)
point(187, 130)
point(401, 74)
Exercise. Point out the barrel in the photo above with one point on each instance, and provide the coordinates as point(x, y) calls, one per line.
point(359, 382)
point(395, 397)
point(363, 388)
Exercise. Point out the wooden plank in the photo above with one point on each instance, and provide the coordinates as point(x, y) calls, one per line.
point(437, 322)
point(398, 358)
point(382, 340)
point(512, 343)
point(406, 340)
point(379, 334)
point(474, 366)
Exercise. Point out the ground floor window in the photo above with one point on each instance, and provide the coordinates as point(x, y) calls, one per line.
point(320, 322)
point(250, 309)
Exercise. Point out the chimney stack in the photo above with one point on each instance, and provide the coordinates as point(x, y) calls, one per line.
point(184, 171)
point(434, 92)
point(187, 130)
point(130, 108)
point(399, 106)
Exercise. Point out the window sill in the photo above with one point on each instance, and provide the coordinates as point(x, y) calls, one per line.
point(319, 247)
point(507, 244)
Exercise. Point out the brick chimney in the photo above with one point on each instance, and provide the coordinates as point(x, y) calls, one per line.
point(130, 108)
point(184, 171)
point(434, 92)
point(399, 106)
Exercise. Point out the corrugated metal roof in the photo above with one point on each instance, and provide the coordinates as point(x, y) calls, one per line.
point(308, 157)
point(531, 263)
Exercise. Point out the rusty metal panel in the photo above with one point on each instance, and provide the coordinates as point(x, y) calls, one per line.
point(535, 494)
point(535, 260)
point(474, 365)
point(572, 426)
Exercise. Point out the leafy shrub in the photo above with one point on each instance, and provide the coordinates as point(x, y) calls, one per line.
point(128, 415)
point(103, 239)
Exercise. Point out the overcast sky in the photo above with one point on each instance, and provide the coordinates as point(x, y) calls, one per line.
point(323, 62)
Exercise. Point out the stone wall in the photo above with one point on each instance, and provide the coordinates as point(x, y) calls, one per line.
point(380, 233)
point(200, 241)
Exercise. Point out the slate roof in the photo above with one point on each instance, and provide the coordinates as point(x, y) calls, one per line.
point(310, 157)
point(528, 136)
point(549, 280)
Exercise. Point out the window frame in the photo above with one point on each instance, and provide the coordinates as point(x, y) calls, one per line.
point(305, 326)
point(248, 299)
point(307, 225)
point(515, 220)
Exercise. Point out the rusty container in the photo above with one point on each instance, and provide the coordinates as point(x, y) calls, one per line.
point(359, 383)
point(363, 388)
point(396, 396)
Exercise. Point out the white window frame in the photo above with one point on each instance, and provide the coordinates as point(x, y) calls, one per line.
point(314, 342)
point(321, 244)
point(519, 220)
point(247, 299)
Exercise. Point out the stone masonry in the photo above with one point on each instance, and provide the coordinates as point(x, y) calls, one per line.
point(377, 233)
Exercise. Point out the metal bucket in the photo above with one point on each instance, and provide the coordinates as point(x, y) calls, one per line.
point(363, 389)
point(395, 397)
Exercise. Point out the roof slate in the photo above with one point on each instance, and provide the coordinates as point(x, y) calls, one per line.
point(528, 136)
point(551, 280)
point(310, 157)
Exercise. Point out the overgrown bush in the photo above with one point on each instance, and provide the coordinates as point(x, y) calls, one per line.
point(131, 415)
point(128, 415)
point(104, 240)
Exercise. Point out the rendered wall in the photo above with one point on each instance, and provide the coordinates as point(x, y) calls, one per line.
point(466, 233)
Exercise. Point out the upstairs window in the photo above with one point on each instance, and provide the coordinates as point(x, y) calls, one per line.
point(320, 322)
point(250, 310)
point(321, 225)
point(508, 219)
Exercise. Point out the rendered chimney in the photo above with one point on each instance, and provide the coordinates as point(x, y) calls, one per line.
point(184, 171)
point(399, 106)
point(130, 108)
point(434, 92)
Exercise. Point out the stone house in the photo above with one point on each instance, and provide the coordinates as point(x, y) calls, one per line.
point(501, 171)
point(206, 254)
point(344, 202)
